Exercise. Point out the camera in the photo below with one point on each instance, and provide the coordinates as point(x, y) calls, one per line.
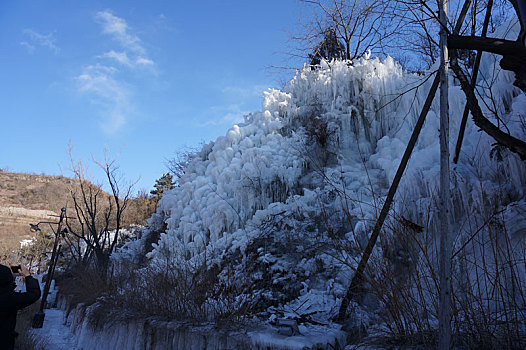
point(15, 268)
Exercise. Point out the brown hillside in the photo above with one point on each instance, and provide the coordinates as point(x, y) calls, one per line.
point(26, 198)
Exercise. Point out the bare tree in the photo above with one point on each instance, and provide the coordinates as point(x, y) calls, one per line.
point(513, 52)
point(513, 55)
point(361, 25)
point(98, 224)
point(178, 163)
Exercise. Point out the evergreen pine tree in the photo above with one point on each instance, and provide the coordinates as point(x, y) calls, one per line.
point(163, 184)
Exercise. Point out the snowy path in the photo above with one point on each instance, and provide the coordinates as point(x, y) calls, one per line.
point(55, 335)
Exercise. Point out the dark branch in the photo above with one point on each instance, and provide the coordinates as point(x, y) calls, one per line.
point(499, 46)
point(513, 144)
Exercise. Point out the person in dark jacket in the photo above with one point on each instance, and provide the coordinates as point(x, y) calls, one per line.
point(11, 302)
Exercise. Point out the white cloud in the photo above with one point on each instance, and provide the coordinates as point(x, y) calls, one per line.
point(30, 48)
point(228, 115)
point(100, 84)
point(121, 57)
point(134, 53)
point(103, 84)
point(38, 39)
point(118, 29)
point(144, 61)
point(233, 117)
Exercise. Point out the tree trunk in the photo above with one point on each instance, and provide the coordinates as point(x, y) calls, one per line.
point(444, 316)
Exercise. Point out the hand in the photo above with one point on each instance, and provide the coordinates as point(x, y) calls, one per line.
point(24, 271)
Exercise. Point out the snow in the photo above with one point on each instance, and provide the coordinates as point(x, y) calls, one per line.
point(55, 333)
point(74, 332)
point(27, 242)
point(313, 337)
point(275, 166)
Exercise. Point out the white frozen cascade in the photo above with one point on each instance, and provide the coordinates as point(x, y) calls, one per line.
point(313, 168)
point(266, 165)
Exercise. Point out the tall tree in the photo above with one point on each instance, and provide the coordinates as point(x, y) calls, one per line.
point(97, 228)
point(164, 183)
point(358, 26)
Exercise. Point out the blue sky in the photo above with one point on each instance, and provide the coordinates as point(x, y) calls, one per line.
point(143, 79)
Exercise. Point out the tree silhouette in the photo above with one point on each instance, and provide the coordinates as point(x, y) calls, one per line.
point(163, 184)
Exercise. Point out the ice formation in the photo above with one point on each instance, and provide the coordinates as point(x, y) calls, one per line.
point(284, 200)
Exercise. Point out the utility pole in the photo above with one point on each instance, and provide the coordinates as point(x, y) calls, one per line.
point(38, 318)
point(444, 315)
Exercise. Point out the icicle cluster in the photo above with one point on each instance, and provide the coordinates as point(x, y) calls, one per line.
point(368, 110)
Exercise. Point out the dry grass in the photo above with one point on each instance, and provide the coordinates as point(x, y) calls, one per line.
point(82, 285)
point(488, 299)
point(174, 293)
point(31, 192)
point(36, 192)
point(488, 272)
point(8, 251)
point(180, 293)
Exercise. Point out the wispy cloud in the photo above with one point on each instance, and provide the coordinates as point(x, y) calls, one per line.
point(105, 83)
point(119, 30)
point(37, 39)
point(120, 57)
point(133, 54)
point(144, 61)
point(237, 99)
point(30, 48)
point(123, 58)
point(100, 84)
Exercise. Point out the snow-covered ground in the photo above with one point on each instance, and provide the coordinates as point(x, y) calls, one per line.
point(55, 334)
